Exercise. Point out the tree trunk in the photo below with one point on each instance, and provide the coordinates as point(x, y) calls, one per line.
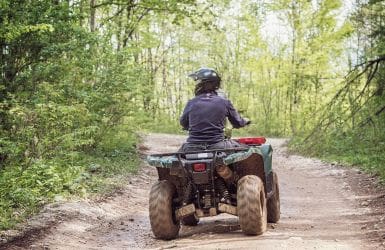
point(92, 15)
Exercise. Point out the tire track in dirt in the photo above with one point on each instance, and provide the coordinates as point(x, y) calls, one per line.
point(322, 206)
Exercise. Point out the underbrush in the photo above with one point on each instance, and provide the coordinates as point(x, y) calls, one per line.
point(26, 186)
point(162, 124)
point(364, 149)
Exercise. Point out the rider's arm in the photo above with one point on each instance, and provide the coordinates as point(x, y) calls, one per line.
point(184, 121)
point(235, 119)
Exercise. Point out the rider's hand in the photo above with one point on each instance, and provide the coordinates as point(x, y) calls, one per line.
point(247, 121)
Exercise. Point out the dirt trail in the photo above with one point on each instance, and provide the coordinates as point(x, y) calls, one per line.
point(323, 207)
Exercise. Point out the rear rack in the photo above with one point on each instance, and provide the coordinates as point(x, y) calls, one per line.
point(167, 160)
point(202, 151)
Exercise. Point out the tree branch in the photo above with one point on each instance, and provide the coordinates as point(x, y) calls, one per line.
point(372, 67)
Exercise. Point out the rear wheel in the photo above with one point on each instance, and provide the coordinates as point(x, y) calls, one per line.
point(251, 205)
point(191, 220)
point(162, 213)
point(273, 203)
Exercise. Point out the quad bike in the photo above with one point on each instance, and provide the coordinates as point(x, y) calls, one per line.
point(238, 181)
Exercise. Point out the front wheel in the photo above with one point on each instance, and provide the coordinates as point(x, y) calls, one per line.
point(162, 212)
point(273, 203)
point(251, 205)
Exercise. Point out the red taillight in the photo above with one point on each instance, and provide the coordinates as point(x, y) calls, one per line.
point(252, 140)
point(199, 167)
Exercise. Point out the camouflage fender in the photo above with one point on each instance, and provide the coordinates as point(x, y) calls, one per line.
point(265, 150)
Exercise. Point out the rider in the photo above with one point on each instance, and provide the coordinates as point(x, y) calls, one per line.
point(204, 116)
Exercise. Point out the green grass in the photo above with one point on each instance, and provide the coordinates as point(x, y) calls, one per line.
point(25, 189)
point(363, 150)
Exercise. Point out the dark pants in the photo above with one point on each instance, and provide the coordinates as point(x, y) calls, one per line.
point(225, 144)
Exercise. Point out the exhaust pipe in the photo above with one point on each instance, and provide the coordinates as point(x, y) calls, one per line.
point(225, 172)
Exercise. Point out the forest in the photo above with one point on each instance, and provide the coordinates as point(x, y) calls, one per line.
point(82, 79)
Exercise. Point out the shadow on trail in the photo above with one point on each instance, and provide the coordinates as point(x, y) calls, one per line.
point(211, 226)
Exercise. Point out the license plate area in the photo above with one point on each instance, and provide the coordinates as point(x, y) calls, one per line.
point(200, 177)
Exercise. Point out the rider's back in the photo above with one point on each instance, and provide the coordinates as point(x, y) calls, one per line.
point(206, 115)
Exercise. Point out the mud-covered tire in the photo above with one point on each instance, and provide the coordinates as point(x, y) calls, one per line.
point(191, 220)
point(251, 205)
point(273, 203)
point(162, 214)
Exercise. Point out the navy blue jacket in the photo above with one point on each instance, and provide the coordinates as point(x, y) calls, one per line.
point(204, 117)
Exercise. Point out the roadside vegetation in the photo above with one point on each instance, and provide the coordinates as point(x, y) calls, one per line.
point(79, 80)
point(361, 149)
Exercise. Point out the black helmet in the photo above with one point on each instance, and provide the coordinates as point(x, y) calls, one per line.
point(207, 80)
point(205, 75)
